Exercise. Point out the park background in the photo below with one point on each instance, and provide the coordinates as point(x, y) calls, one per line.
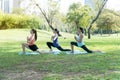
point(17, 17)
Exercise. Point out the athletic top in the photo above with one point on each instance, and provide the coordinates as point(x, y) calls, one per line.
point(55, 41)
point(31, 40)
point(79, 43)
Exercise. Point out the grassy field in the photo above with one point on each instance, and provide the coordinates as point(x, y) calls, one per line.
point(95, 66)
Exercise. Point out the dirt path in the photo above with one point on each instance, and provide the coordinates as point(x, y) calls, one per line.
point(25, 75)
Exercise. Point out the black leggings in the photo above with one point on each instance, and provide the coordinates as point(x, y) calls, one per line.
point(84, 47)
point(49, 44)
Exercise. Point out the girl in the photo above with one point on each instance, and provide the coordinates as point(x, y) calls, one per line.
point(80, 43)
point(55, 43)
point(31, 42)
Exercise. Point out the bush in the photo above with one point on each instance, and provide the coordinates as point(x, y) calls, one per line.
point(10, 21)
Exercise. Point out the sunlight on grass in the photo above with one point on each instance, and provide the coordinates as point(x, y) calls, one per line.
point(94, 66)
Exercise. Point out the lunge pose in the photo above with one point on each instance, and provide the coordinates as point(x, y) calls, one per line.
point(31, 42)
point(55, 43)
point(80, 43)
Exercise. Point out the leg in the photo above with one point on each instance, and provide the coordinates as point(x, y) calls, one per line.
point(86, 49)
point(24, 45)
point(72, 46)
point(38, 50)
point(49, 44)
point(61, 49)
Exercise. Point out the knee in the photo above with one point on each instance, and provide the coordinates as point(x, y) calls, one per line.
point(71, 43)
point(48, 43)
point(23, 44)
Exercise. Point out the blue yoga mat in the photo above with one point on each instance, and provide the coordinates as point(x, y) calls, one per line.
point(29, 53)
point(67, 52)
point(53, 52)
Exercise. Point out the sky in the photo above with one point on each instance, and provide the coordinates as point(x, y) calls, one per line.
point(64, 4)
point(111, 4)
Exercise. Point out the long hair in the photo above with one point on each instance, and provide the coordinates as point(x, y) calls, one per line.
point(81, 29)
point(35, 32)
point(57, 32)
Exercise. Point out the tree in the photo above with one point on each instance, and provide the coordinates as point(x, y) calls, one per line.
point(52, 10)
point(79, 15)
point(97, 16)
point(106, 22)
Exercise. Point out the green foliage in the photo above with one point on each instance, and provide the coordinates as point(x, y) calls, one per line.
point(79, 15)
point(74, 6)
point(109, 21)
point(97, 4)
point(106, 21)
point(18, 11)
point(9, 21)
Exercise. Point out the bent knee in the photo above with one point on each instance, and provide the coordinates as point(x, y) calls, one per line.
point(24, 44)
point(72, 43)
point(48, 43)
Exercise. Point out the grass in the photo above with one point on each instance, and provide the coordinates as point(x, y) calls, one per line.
point(94, 66)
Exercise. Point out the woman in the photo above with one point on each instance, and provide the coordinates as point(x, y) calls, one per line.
point(31, 42)
point(55, 43)
point(79, 42)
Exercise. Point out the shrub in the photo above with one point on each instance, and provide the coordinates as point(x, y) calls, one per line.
point(10, 21)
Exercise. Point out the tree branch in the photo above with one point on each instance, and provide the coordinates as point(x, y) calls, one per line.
point(45, 16)
point(93, 21)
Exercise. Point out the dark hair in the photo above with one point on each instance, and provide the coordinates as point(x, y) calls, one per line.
point(81, 29)
point(57, 32)
point(35, 32)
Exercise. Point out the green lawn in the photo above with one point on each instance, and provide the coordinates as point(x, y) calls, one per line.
point(94, 66)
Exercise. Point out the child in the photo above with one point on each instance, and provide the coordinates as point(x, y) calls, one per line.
point(55, 43)
point(31, 42)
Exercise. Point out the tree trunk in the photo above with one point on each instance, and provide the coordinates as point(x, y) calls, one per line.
point(85, 32)
point(45, 16)
point(101, 31)
point(77, 23)
point(93, 21)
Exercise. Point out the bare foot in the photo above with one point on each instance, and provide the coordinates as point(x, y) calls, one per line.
point(72, 52)
point(51, 50)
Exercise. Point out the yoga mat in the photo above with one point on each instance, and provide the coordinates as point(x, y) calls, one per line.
point(67, 52)
point(55, 52)
point(29, 53)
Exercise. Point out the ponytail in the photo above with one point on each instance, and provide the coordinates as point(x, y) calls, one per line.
point(81, 29)
point(57, 32)
point(35, 32)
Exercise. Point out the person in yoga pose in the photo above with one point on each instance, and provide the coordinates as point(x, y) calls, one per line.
point(31, 42)
point(55, 43)
point(80, 43)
